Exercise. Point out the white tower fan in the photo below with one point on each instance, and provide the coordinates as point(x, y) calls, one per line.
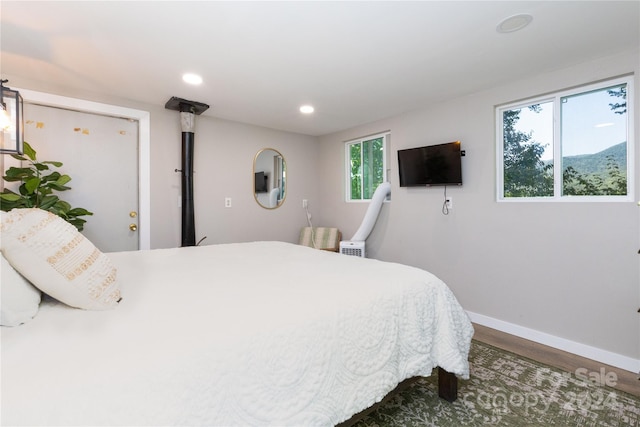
point(356, 245)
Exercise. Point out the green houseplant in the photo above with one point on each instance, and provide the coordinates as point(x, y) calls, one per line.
point(39, 182)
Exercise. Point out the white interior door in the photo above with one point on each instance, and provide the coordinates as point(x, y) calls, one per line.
point(100, 153)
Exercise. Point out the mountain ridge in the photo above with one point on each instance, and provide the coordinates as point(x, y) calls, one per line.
point(596, 163)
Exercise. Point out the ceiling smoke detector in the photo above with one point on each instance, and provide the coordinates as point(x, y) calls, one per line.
point(514, 23)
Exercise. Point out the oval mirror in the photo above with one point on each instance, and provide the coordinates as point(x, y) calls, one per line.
point(270, 178)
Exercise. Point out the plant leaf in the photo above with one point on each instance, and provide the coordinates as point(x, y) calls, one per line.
point(7, 206)
point(50, 162)
point(63, 179)
point(44, 190)
point(79, 212)
point(53, 176)
point(77, 222)
point(10, 197)
point(29, 151)
point(11, 179)
point(32, 184)
point(55, 186)
point(63, 206)
point(48, 201)
point(14, 172)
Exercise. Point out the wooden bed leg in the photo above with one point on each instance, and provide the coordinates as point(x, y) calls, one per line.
point(447, 385)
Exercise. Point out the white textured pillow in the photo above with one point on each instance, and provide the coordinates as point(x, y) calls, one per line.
point(58, 260)
point(20, 300)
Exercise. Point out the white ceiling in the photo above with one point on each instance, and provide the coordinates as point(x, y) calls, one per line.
point(356, 62)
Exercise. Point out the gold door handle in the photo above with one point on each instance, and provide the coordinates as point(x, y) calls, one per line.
point(133, 227)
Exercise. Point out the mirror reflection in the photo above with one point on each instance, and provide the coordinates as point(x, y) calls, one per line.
point(270, 178)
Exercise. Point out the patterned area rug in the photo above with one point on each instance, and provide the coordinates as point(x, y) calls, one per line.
point(509, 390)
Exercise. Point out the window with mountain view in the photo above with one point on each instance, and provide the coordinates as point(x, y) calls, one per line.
point(571, 145)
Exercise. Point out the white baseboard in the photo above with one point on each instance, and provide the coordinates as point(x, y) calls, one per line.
point(594, 353)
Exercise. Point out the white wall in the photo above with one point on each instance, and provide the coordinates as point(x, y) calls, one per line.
point(223, 165)
point(569, 270)
point(224, 168)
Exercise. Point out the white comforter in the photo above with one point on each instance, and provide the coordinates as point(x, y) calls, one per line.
point(261, 333)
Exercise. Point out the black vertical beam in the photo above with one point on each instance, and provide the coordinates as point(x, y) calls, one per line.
point(188, 110)
point(188, 220)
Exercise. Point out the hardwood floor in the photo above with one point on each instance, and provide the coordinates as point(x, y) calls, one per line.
point(625, 381)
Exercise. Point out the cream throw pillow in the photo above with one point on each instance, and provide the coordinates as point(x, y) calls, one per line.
point(19, 300)
point(58, 260)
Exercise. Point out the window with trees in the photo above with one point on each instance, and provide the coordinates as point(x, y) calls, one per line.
point(572, 145)
point(365, 166)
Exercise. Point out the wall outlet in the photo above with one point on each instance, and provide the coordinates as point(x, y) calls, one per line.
point(305, 203)
point(449, 202)
point(227, 202)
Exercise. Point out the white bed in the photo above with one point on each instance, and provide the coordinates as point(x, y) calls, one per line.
point(263, 333)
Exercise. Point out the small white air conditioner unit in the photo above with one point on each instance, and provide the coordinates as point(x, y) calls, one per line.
point(348, 247)
point(355, 246)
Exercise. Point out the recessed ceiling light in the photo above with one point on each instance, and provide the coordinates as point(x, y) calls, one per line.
point(603, 125)
point(192, 79)
point(307, 109)
point(514, 23)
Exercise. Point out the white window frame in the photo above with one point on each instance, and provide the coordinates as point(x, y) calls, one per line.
point(347, 158)
point(557, 145)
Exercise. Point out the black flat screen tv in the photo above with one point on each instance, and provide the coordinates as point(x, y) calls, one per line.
point(260, 182)
point(431, 165)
